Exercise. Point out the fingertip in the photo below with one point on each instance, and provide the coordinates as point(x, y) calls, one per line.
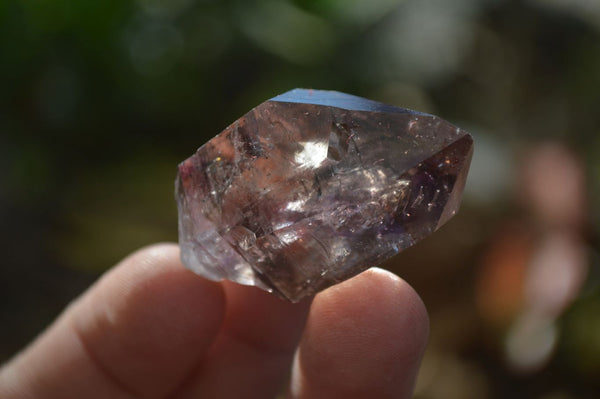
point(364, 337)
point(409, 304)
point(379, 298)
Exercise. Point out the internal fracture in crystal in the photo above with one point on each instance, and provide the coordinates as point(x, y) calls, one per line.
point(312, 187)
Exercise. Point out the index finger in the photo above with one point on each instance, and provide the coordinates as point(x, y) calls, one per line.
point(139, 331)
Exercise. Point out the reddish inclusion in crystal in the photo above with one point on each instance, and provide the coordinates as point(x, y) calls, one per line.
point(313, 187)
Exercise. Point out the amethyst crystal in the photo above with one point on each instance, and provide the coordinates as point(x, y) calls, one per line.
point(313, 187)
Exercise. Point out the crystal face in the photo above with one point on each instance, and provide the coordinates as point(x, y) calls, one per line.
point(312, 187)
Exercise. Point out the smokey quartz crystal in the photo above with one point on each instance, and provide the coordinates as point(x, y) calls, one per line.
point(313, 187)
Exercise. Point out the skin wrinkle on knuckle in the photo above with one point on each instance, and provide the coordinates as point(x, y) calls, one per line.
point(104, 307)
point(94, 360)
point(112, 312)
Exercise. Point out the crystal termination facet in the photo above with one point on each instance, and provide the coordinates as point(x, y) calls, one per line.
point(313, 187)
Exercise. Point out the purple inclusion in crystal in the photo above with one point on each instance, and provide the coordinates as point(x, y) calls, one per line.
point(312, 187)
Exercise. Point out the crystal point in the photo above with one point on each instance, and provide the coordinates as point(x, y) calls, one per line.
point(312, 187)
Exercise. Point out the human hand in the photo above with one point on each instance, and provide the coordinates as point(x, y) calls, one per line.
point(149, 328)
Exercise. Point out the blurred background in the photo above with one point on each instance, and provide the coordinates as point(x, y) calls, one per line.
point(100, 100)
